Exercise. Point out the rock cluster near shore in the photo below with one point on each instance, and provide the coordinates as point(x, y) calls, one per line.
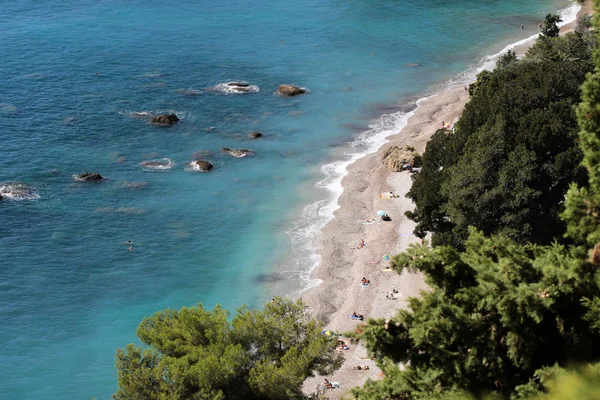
point(165, 119)
point(89, 177)
point(289, 90)
point(394, 157)
point(201, 165)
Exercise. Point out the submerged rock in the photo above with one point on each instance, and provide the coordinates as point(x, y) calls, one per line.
point(165, 119)
point(255, 135)
point(201, 165)
point(239, 153)
point(89, 177)
point(162, 163)
point(289, 90)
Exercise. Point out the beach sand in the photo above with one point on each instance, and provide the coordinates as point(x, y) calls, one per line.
point(343, 265)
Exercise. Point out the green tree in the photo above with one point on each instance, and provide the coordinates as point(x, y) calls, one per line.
point(503, 319)
point(550, 25)
point(506, 59)
point(198, 354)
point(508, 163)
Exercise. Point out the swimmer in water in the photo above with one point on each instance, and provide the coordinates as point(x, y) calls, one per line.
point(129, 242)
point(130, 248)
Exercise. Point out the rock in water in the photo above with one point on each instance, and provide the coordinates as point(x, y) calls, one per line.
point(165, 119)
point(289, 90)
point(89, 177)
point(0, 197)
point(201, 165)
point(239, 153)
point(255, 135)
point(395, 157)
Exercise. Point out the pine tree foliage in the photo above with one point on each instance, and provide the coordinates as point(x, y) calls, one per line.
point(508, 163)
point(503, 319)
point(198, 354)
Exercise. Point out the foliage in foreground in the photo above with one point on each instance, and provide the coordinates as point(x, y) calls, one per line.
point(501, 316)
point(198, 354)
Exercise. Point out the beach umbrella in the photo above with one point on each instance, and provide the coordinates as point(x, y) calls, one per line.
point(387, 257)
point(381, 212)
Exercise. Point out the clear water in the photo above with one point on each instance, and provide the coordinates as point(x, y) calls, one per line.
point(70, 290)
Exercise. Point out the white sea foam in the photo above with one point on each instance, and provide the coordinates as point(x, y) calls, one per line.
point(315, 216)
point(160, 164)
point(17, 191)
point(235, 87)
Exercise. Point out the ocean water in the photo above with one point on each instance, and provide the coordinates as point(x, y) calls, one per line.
point(73, 75)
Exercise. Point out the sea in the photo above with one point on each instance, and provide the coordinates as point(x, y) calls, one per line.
point(81, 263)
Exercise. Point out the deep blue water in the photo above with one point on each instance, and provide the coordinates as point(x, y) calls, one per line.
point(72, 72)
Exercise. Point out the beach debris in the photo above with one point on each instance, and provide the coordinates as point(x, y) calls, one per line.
point(165, 119)
point(290, 90)
point(88, 177)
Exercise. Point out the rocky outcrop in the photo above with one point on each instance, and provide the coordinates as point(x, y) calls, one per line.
point(239, 153)
point(289, 90)
point(395, 157)
point(255, 135)
point(165, 119)
point(201, 165)
point(89, 177)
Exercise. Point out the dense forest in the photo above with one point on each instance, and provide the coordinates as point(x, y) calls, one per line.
point(511, 197)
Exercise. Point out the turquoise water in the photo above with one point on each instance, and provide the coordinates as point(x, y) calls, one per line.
point(72, 73)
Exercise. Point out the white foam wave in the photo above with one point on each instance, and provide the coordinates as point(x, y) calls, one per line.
point(17, 192)
point(160, 164)
point(235, 87)
point(315, 216)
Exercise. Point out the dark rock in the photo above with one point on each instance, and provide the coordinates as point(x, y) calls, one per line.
point(165, 119)
point(395, 157)
point(255, 135)
point(289, 90)
point(239, 153)
point(89, 177)
point(201, 165)
point(238, 84)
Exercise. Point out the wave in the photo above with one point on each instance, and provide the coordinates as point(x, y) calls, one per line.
point(315, 216)
point(17, 191)
point(235, 87)
point(160, 164)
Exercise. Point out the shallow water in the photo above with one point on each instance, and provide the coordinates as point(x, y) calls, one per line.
point(73, 75)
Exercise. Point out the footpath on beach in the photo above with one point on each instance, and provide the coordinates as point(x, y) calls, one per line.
point(355, 246)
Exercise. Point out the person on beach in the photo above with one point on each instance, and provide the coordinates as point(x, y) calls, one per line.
point(357, 316)
point(362, 368)
point(364, 281)
point(361, 244)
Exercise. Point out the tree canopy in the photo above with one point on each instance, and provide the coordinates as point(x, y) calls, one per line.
point(195, 353)
point(503, 318)
point(507, 165)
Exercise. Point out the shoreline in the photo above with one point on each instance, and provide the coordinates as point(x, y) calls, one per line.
point(337, 292)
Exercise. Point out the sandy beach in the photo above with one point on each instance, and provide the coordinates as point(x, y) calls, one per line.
point(343, 265)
